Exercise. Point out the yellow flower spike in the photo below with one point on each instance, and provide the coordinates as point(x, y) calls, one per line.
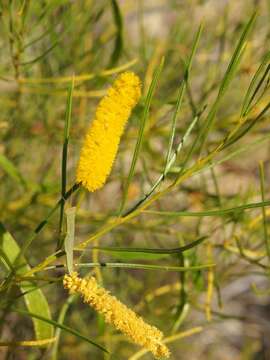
point(117, 314)
point(103, 137)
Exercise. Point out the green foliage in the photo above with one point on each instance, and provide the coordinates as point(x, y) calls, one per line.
point(181, 230)
point(34, 298)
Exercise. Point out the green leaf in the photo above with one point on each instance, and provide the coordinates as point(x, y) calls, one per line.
point(130, 255)
point(118, 45)
point(147, 267)
point(146, 253)
point(256, 84)
point(64, 157)
point(221, 212)
point(34, 298)
point(248, 125)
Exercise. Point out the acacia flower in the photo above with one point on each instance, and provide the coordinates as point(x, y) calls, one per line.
point(102, 140)
point(117, 314)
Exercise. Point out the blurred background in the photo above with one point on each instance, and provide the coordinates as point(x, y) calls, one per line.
point(43, 44)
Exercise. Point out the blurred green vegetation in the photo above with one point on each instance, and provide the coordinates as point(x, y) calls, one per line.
point(192, 168)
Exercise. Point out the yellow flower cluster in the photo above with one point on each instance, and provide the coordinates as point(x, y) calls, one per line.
point(118, 314)
point(103, 137)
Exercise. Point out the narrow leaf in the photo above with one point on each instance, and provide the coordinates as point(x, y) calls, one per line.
point(64, 157)
point(253, 88)
point(147, 267)
point(178, 250)
point(118, 45)
point(218, 212)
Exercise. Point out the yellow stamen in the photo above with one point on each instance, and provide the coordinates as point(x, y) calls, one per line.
point(103, 137)
point(118, 314)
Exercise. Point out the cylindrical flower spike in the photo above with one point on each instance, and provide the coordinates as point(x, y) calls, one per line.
point(103, 137)
point(117, 314)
